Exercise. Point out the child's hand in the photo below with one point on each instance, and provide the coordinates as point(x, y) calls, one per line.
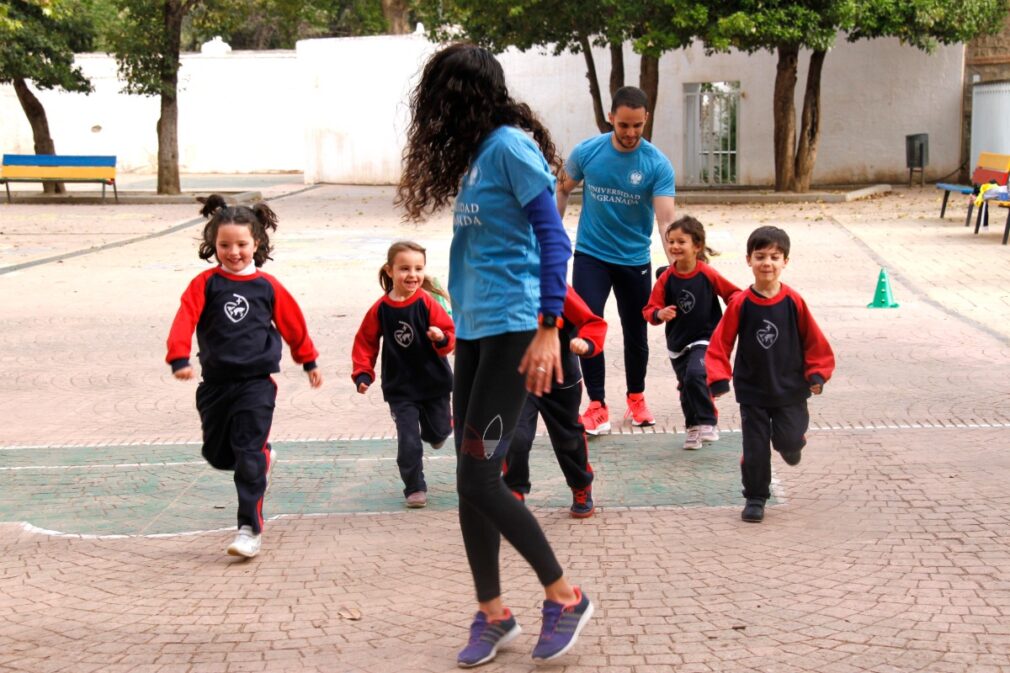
point(578, 346)
point(184, 374)
point(667, 313)
point(362, 388)
point(435, 334)
point(315, 377)
point(817, 388)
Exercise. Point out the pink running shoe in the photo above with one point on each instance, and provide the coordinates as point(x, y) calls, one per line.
point(638, 411)
point(596, 419)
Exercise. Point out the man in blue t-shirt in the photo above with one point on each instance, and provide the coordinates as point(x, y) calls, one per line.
point(627, 183)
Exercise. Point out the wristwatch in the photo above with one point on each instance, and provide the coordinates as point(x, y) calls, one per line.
point(548, 320)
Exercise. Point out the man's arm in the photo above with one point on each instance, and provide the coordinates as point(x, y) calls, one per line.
point(665, 214)
point(565, 187)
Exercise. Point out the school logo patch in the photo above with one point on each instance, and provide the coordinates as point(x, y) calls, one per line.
point(636, 177)
point(768, 335)
point(237, 309)
point(404, 334)
point(685, 301)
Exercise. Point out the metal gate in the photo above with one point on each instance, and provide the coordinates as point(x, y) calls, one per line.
point(711, 120)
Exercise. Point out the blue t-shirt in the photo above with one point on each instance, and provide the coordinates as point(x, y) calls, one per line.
point(494, 261)
point(618, 187)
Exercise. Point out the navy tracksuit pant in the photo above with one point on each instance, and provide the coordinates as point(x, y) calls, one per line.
point(593, 279)
point(560, 410)
point(782, 428)
point(692, 382)
point(236, 417)
point(418, 421)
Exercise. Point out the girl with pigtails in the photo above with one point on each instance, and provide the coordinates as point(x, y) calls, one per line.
point(240, 315)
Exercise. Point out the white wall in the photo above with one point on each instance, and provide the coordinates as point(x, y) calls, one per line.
point(337, 108)
point(238, 113)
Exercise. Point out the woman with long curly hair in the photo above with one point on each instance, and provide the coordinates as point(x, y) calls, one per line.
point(469, 140)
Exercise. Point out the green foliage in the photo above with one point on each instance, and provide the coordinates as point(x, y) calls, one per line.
point(926, 23)
point(38, 39)
point(278, 24)
point(146, 49)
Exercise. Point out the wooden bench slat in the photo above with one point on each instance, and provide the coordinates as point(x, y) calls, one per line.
point(58, 172)
point(58, 160)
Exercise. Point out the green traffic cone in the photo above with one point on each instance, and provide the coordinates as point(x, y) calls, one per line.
point(883, 298)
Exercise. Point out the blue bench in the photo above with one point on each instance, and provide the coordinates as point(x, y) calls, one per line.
point(58, 168)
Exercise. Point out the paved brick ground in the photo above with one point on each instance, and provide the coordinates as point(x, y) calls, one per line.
point(887, 550)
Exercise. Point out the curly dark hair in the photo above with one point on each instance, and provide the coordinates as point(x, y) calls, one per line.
point(260, 219)
point(460, 99)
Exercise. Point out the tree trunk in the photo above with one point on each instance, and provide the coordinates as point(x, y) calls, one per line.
point(594, 84)
point(648, 81)
point(36, 115)
point(785, 116)
point(168, 122)
point(616, 67)
point(397, 15)
point(810, 125)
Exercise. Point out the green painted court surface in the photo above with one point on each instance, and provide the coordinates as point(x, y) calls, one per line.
point(164, 489)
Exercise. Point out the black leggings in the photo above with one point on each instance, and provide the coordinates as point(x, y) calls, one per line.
point(488, 394)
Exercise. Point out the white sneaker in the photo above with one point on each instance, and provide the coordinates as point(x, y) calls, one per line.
point(709, 433)
point(245, 543)
point(693, 439)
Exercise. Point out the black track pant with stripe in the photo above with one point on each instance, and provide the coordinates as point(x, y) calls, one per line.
point(560, 411)
point(236, 418)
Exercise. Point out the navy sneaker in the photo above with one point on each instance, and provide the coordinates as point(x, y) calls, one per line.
point(792, 458)
point(485, 639)
point(582, 502)
point(754, 510)
point(561, 627)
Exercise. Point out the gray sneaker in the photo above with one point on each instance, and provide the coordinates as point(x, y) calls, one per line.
point(708, 433)
point(693, 440)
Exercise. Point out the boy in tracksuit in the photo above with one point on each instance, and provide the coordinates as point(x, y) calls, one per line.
point(581, 334)
point(782, 358)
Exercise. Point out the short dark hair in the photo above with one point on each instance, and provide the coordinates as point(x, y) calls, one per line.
point(768, 237)
point(629, 96)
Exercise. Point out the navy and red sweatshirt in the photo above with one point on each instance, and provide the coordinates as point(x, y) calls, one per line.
point(239, 323)
point(413, 367)
point(696, 296)
point(780, 351)
point(581, 322)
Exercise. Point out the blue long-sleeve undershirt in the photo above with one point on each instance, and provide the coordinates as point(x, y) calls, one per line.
point(555, 249)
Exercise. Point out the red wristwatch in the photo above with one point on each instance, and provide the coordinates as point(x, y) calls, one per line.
point(548, 320)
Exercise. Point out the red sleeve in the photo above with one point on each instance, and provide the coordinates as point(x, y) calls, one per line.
point(657, 300)
point(818, 358)
point(437, 317)
point(720, 345)
point(180, 336)
point(291, 324)
point(366, 344)
point(591, 327)
point(723, 287)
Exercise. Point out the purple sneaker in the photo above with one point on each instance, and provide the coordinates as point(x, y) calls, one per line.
point(485, 639)
point(561, 627)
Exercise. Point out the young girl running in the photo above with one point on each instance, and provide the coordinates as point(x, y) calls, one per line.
point(416, 335)
point(240, 315)
point(686, 298)
point(468, 139)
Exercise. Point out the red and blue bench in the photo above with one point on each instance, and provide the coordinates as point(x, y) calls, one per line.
point(58, 168)
point(991, 167)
